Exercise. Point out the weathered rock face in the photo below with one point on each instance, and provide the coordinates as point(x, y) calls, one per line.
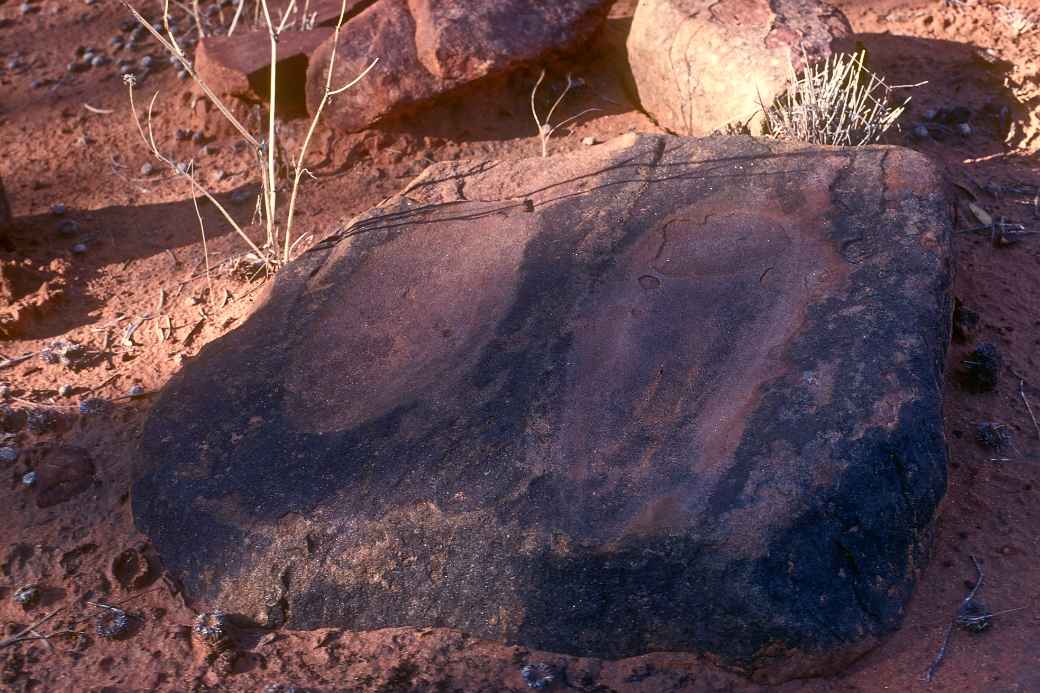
point(430, 47)
point(700, 65)
point(5, 209)
point(240, 65)
point(662, 394)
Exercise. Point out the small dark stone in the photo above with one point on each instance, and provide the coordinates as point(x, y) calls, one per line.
point(920, 132)
point(981, 369)
point(182, 135)
point(68, 227)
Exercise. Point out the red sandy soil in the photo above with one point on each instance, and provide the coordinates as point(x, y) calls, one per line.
point(144, 259)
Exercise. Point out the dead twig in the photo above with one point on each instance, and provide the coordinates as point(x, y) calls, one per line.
point(930, 674)
point(21, 635)
point(1022, 392)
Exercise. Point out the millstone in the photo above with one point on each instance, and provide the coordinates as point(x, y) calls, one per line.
point(661, 394)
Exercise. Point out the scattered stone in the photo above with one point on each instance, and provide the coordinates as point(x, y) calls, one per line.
point(65, 390)
point(589, 141)
point(147, 61)
point(100, 60)
point(29, 478)
point(147, 169)
point(554, 347)
point(68, 227)
point(964, 129)
point(27, 597)
point(79, 248)
point(8, 454)
point(428, 48)
point(697, 69)
point(538, 675)
point(135, 392)
point(980, 371)
point(58, 209)
point(182, 135)
point(920, 132)
point(198, 137)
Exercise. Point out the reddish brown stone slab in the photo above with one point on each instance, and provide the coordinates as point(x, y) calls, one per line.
point(700, 65)
point(239, 65)
point(430, 47)
point(662, 394)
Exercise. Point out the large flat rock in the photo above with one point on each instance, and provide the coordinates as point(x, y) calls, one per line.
point(662, 394)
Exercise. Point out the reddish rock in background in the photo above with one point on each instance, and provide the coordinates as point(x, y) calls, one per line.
point(661, 394)
point(700, 65)
point(239, 65)
point(431, 47)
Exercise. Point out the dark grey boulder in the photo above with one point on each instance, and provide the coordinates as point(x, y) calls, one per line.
point(661, 394)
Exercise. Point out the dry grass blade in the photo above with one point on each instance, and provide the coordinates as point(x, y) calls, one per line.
point(838, 101)
point(278, 247)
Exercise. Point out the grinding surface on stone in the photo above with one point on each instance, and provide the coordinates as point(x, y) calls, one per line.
point(663, 394)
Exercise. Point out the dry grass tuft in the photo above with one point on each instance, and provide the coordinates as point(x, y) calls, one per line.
point(837, 102)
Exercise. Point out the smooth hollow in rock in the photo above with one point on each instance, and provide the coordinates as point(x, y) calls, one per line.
point(702, 65)
point(661, 394)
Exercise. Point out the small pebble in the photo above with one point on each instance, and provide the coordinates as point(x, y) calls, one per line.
point(26, 8)
point(182, 75)
point(88, 56)
point(100, 60)
point(116, 41)
point(589, 141)
point(147, 169)
point(29, 478)
point(135, 391)
point(964, 129)
point(79, 248)
point(8, 454)
point(147, 61)
point(58, 209)
point(68, 227)
point(920, 132)
point(930, 114)
point(198, 137)
point(65, 390)
point(182, 135)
